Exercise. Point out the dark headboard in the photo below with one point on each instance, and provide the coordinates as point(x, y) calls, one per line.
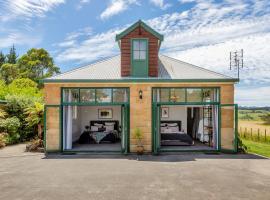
point(179, 123)
point(116, 125)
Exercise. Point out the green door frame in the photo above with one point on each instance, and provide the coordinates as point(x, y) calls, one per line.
point(45, 128)
point(235, 145)
point(127, 116)
point(141, 62)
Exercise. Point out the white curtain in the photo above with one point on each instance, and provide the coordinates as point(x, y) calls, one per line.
point(69, 123)
point(215, 125)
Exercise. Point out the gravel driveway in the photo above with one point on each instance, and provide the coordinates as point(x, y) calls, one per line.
point(184, 176)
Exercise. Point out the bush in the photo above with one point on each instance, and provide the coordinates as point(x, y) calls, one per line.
point(10, 126)
point(2, 140)
point(35, 145)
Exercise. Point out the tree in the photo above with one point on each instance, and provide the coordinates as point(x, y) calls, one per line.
point(3, 90)
point(37, 64)
point(266, 118)
point(24, 87)
point(2, 59)
point(35, 117)
point(9, 72)
point(12, 56)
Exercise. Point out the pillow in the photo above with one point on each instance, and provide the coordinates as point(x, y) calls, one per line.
point(172, 124)
point(109, 123)
point(163, 124)
point(162, 129)
point(109, 128)
point(98, 125)
point(174, 129)
point(94, 128)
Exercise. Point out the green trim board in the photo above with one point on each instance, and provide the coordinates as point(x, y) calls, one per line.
point(140, 80)
point(139, 67)
point(134, 26)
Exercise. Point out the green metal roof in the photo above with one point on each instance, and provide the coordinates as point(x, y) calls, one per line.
point(137, 24)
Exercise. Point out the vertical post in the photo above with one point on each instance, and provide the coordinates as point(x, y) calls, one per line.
point(245, 132)
point(251, 134)
point(265, 134)
point(258, 134)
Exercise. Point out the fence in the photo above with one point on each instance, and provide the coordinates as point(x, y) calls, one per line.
point(257, 135)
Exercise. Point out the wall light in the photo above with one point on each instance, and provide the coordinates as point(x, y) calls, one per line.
point(140, 94)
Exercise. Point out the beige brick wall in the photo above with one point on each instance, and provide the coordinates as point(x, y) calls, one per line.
point(140, 109)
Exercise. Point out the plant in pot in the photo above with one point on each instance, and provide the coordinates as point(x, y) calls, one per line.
point(139, 136)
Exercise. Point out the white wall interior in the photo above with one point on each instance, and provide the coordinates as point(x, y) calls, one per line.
point(90, 113)
point(177, 113)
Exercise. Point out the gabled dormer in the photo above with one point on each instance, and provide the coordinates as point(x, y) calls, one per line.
point(139, 45)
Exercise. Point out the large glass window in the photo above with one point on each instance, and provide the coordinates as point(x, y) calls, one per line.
point(139, 49)
point(194, 95)
point(87, 95)
point(164, 95)
point(71, 95)
point(208, 94)
point(104, 95)
point(177, 95)
point(119, 95)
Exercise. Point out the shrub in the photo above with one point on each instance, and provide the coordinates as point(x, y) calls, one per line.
point(2, 140)
point(35, 145)
point(10, 126)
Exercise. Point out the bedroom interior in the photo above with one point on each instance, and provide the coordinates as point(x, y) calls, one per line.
point(189, 127)
point(92, 128)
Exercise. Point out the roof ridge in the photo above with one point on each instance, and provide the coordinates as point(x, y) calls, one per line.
point(195, 66)
point(84, 66)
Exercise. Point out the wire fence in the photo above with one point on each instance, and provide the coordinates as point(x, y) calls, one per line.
point(257, 135)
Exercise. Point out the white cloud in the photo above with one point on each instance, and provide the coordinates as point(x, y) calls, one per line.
point(115, 7)
point(82, 3)
point(161, 4)
point(18, 38)
point(12, 9)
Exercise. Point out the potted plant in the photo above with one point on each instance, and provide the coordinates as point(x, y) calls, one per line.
point(139, 136)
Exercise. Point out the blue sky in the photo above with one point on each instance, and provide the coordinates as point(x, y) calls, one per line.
point(78, 32)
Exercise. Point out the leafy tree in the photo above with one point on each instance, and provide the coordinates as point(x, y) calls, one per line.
point(37, 64)
point(35, 117)
point(266, 118)
point(12, 56)
point(25, 87)
point(2, 59)
point(9, 72)
point(3, 90)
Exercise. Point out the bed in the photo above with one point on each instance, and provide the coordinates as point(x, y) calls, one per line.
point(171, 134)
point(102, 134)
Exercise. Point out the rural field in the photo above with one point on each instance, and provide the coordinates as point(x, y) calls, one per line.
point(254, 130)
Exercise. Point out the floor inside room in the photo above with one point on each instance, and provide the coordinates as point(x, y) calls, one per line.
point(97, 147)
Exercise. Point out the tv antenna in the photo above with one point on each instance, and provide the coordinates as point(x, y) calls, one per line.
point(236, 61)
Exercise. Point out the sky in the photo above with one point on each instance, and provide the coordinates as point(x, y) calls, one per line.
point(201, 32)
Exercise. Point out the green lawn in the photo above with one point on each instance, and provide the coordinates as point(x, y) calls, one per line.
point(257, 147)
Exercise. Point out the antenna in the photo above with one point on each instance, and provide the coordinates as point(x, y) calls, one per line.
point(236, 61)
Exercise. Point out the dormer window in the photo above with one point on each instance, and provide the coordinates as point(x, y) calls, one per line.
point(139, 49)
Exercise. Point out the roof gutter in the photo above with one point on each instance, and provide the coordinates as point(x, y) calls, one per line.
point(140, 80)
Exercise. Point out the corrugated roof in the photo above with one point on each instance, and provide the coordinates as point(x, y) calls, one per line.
point(110, 69)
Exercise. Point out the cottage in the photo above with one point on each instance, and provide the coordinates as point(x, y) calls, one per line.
point(176, 105)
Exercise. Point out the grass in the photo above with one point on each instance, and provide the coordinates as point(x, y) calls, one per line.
point(257, 147)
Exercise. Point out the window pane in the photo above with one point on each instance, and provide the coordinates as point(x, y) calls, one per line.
point(208, 95)
point(164, 95)
point(104, 95)
point(87, 95)
point(136, 45)
point(194, 95)
point(142, 55)
point(143, 45)
point(136, 55)
point(177, 95)
point(71, 95)
point(119, 95)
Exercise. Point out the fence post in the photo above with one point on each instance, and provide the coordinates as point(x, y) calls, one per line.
point(245, 132)
point(265, 134)
point(258, 134)
point(251, 135)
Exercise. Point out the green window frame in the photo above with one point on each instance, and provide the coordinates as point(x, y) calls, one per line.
point(139, 49)
point(186, 95)
point(85, 96)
